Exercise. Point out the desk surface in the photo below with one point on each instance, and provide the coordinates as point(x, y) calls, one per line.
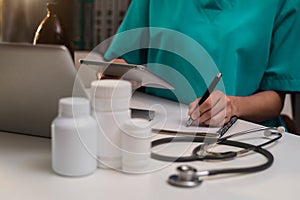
point(25, 173)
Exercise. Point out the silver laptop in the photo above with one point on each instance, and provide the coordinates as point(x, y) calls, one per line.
point(32, 80)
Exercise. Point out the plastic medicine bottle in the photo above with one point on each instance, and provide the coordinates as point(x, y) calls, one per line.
point(110, 107)
point(136, 146)
point(74, 138)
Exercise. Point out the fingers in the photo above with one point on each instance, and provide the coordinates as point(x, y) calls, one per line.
point(218, 119)
point(119, 60)
point(193, 106)
point(215, 111)
point(212, 104)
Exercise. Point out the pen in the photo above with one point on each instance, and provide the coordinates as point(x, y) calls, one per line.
point(206, 95)
point(227, 126)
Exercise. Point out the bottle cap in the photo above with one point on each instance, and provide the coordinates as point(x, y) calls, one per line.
point(137, 127)
point(110, 95)
point(111, 89)
point(74, 106)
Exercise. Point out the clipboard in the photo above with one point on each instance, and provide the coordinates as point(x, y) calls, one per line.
point(138, 73)
point(186, 133)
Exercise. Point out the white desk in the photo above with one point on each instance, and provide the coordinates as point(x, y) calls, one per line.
point(25, 173)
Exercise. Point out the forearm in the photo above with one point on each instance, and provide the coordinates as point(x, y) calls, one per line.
point(258, 107)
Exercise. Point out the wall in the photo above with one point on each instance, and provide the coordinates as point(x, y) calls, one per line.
point(0, 20)
point(20, 19)
point(86, 22)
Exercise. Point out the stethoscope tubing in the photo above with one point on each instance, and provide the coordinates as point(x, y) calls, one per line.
point(222, 140)
point(229, 155)
point(191, 158)
point(251, 169)
point(189, 176)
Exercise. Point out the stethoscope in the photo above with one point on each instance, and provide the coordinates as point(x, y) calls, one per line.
point(188, 176)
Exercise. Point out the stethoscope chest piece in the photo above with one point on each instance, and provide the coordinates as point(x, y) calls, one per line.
point(187, 177)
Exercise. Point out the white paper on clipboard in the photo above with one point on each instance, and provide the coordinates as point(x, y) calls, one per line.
point(133, 72)
point(170, 116)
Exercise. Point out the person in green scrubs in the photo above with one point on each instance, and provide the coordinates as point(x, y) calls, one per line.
point(254, 44)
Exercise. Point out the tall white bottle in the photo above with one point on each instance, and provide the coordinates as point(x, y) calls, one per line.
point(136, 146)
point(74, 138)
point(110, 107)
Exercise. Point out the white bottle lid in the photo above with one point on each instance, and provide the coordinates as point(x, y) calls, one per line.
point(137, 127)
point(108, 95)
point(74, 106)
point(110, 88)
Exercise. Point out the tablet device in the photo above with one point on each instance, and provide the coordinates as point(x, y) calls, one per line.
point(138, 73)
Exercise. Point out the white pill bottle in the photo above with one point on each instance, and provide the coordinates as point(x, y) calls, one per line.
point(74, 138)
point(136, 146)
point(110, 107)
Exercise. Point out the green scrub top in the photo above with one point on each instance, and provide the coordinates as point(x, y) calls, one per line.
point(254, 44)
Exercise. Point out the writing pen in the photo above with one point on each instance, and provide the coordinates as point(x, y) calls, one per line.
point(206, 95)
point(227, 126)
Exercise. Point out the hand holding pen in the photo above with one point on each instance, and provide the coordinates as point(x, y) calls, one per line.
point(213, 108)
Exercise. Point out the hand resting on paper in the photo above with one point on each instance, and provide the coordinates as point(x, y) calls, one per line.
point(219, 108)
point(215, 111)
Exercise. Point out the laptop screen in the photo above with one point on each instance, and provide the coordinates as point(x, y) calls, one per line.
point(32, 80)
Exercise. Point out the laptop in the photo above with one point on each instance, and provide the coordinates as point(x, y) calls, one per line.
point(32, 80)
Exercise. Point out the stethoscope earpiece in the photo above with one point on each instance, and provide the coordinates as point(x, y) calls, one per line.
point(187, 177)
